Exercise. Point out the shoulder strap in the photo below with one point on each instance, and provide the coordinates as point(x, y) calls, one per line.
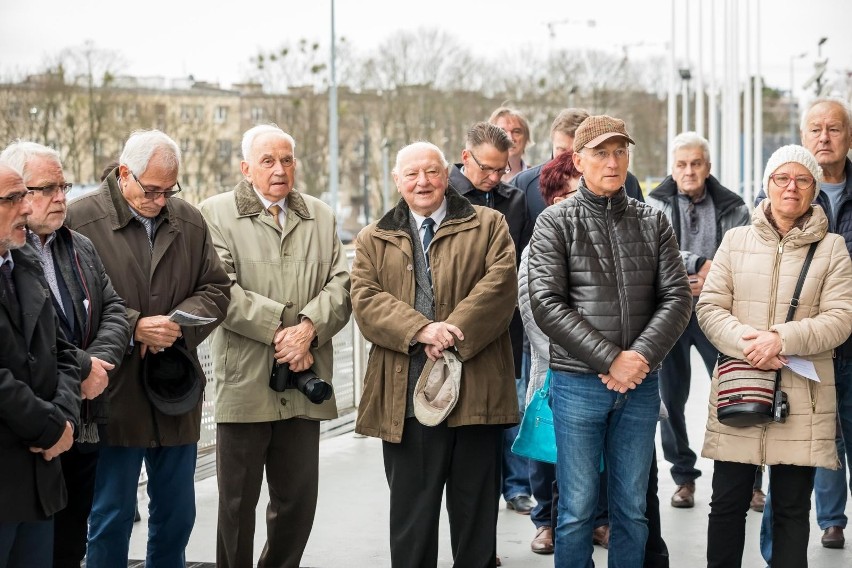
point(794, 301)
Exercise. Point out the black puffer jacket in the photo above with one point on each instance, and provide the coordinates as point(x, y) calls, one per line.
point(605, 275)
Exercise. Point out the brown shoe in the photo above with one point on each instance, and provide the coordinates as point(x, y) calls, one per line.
point(684, 497)
point(600, 536)
point(758, 501)
point(543, 541)
point(497, 561)
point(833, 537)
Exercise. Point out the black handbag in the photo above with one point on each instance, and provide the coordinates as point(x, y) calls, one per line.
point(748, 396)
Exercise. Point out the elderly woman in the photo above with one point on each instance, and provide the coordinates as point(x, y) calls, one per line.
point(743, 310)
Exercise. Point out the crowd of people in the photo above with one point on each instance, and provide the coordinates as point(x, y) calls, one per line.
point(485, 281)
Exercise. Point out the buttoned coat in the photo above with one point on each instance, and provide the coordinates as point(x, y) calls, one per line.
point(749, 288)
point(475, 284)
point(39, 392)
point(279, 277)
point(182, 272)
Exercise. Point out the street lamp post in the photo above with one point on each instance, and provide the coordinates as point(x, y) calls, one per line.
point(821, 41)
point(333, 139)
point(793, 104)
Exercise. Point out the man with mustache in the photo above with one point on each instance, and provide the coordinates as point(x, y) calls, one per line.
point(39, 391)
point(91, 316)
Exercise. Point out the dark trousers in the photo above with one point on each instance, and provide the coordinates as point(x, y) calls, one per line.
point(289, 451)
point(26, 544)
point(467, 460)
point(542, 480)
point(790, 487)
point(71, 524)
point(674, 391)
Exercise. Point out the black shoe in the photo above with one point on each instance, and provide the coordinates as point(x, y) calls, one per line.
point(520, 504)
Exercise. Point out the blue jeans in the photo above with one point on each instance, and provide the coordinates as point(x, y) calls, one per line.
point(591, 421)
point(516, 469)
point(171, 489)
point(830, 485)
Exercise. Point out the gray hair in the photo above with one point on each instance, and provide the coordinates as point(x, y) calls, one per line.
point(421, 145)
point(18, 154)
point(486, 133)
point(839, 102)
point(502, 111)
point(252, 133)
point(142, 144)
point(568, 120)
point(690, 140)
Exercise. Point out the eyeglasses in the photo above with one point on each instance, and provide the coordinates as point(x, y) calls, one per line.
point(487, 170)
point(603, 155)
point(49, 190)
point(16, 198)
point(155, 194)
point(783, 180)
point(430, 173)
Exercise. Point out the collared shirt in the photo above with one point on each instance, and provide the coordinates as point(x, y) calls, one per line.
point(150, 224)
point(46, 255)
point(282, 213)
point(8, 258)
point(437, 216)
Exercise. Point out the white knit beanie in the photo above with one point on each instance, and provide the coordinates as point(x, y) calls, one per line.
point(792, 153)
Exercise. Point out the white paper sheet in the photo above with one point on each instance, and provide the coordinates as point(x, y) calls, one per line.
point(802, 367)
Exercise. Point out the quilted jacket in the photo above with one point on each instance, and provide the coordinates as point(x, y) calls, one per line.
point(605, 275)
point(749, 288)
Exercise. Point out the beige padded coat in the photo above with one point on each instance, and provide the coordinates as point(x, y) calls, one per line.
point(749, 288)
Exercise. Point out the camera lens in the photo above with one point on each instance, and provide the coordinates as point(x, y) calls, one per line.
point(316, 389)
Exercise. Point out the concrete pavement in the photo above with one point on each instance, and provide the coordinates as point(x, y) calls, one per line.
point(351, 526)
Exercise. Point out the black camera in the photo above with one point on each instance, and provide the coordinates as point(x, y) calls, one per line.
point(780, 407)
point(307, 382)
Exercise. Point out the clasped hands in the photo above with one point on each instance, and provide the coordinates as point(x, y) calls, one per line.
point(155, 333)
point(293, 345)
point(436, 337)
point(627, 371)
point(764, 350)
point(62, 445)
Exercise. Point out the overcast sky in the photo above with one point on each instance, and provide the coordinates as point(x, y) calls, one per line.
point(213, 41)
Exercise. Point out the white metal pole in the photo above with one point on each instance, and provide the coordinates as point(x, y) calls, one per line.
point(671, 119)
point(712, 95)
point(333, 139)
point(748, 147)
point(758, 104)
point(699, 79)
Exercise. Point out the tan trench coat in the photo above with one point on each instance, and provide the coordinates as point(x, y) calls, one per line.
point(749, 288)
point(278, 277)
point(475, 286)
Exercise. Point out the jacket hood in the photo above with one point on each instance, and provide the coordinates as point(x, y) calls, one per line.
point(458, 208)
point(248, 203)
point(723, 198)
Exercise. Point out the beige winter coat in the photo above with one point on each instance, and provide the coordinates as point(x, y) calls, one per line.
point(278, 278)
point(749, 287)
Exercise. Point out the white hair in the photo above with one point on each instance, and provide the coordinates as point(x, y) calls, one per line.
point(252, 133)
point(691, 140)
point(420, 145)
point(839, 102)
point(142, 144)
point(19, 153)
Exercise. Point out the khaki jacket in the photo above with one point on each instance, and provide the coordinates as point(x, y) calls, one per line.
point(279, 277)
point(182, 272)
point(475, 286)
point(749, 288)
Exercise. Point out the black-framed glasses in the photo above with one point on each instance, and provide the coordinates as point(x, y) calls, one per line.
point(15, 198)
point(783, 180)
point(149, 194)
point(488, 170)
point(49, 190)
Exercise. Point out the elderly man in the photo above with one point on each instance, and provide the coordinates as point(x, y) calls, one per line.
point(437, 273)
point(159, 255)
point(516, 126)
point(826, 131)
point(700, 211)
point(290, 297)
point(39, 391)
point(91, 316)
point(609, 289)
point(484, 159)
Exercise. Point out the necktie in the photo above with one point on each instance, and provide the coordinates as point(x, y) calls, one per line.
point(9, 292)
point(428, 233)
point(489, 199)
point(274, 210)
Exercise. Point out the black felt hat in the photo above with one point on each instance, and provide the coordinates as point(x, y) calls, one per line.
point(173, 380)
